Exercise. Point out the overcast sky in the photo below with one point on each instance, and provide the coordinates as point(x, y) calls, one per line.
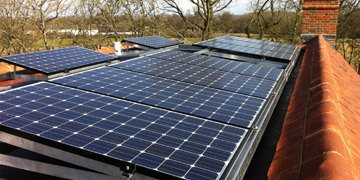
point(237, 7)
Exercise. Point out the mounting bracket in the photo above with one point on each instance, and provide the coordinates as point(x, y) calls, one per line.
point(128, 170)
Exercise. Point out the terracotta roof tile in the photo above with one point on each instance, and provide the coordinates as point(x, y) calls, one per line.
point(106, 50)
point(320, 138)
point(110, 50)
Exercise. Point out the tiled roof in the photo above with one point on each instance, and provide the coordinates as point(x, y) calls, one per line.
point(110, 50)
point(106, 50)
point(320, 138)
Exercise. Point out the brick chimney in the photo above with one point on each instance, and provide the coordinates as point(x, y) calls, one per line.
point(320, 17)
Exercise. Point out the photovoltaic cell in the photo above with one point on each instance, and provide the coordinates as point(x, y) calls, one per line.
point(252, 46)
point(220, 64)
point(180, 145)
point(223, 106)
point(155, 42)
point(200, 76)
point(57, 60)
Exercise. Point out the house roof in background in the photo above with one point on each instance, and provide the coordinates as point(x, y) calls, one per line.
point(9, 68)
point(110, 50)
point(320, 138)
point(107, 50)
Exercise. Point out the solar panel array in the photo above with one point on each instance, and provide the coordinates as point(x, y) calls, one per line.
point(183, 97)
point(177, 144)
point(220, 64)
point(182, 114)
point(53, 61)
point(155, 42)
point(200, 75)
point(252, 46)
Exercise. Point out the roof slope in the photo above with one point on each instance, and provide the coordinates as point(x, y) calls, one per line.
point(107, 50)
point(320, 138)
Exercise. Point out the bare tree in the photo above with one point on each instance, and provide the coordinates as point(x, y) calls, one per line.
point(204, 9)
point(46, 11)
point(348, 31)
point(257, 8)
point(15, 27)
point(110, 12)
point(83, 25)
point(297, 6)
point(268, 13)
point(139, 13)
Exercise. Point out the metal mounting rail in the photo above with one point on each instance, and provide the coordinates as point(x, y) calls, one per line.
point(105, 171)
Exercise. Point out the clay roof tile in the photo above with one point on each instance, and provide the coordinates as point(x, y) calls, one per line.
point(320, 138)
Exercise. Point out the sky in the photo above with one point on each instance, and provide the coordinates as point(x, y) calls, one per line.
point(237, 7)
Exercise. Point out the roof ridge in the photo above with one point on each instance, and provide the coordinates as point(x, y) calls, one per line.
point(314, 124)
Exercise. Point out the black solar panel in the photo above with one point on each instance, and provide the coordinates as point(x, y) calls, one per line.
point(220, 64)
point(155, 42)
point(200, 76)
point(223, 106)
point(53, 61)
point(176, 144)
point(252, 46)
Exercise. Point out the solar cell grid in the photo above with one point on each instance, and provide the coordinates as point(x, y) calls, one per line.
point(261, 50)
point(155, 42)
point(183, 97)
point(52, 61)
point(172, 143)
point(255, 42)
point(252, 46)
point(200, 76)
point(221, 64)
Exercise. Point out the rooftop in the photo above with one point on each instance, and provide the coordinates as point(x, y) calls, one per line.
point(177, 102)
point(320, 137)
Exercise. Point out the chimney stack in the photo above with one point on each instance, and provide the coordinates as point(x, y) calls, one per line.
point(320, 17)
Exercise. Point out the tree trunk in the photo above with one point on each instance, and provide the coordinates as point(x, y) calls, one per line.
point(262, 28)
point(45, 40)
point(210, 25)
point(203, 31)
point(297, 22)
point(248, 27)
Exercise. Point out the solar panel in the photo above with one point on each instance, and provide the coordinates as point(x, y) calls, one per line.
point(172, 143)
point(200, 76)
point(220, 64)
point(252, 46)
point(223, 106)
point(57, 60)
point(155, 42)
